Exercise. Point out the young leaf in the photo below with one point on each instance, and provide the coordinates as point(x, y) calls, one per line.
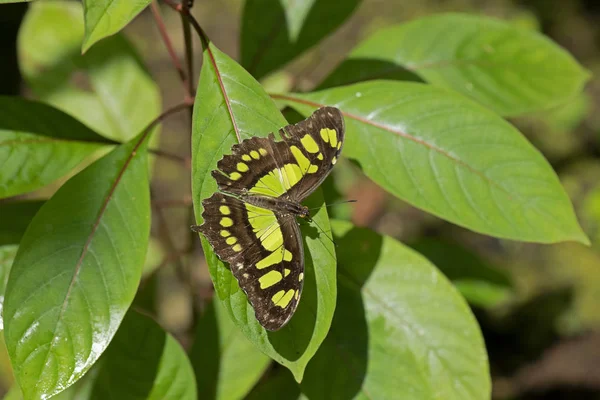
point(115, 94)
point(400, 328)
point(231, 106)
point(226, 364)
point(39, 144)
point(510, 70)
point(275, 31)
point(107, 17)
point(76, 271)
point(143, 362)
point(451, 157)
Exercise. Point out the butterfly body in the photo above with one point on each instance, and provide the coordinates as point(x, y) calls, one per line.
point(280, 205)
point(251, 222)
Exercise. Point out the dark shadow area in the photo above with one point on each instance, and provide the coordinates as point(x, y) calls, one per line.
point(16, 217)
point(338, 369)
point(10, 21)
point(525, 333)
point(49, 122)
point(132, 359)
point(277, 384)
point(291, 115)
point(265, 35)
point(457, 262)
point(145, 299)
point(365, 69)
point(205, 353)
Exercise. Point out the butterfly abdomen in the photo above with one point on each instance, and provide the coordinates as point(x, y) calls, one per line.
point(277, 204)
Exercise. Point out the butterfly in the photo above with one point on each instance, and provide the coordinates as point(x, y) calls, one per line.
point(251, 221)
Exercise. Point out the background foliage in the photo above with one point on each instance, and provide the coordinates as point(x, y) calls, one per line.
point(471, 136)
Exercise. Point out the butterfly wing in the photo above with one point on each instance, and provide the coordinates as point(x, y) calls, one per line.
point(264, 251)
point(292, 168)
point(315, 144)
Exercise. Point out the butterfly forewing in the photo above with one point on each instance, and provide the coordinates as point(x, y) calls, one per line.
point(263, 245)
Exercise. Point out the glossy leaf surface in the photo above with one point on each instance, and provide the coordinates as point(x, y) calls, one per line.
point(143, 362)
point(451, 157)
point(510, 70)
point(77, 271)
point(400, 326)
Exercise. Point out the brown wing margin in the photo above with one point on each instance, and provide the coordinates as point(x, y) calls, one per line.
point(243, 260)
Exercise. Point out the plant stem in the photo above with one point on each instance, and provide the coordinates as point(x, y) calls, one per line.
point(184, 161)
point(185, 12)
point(189, 60)
point(167, 41)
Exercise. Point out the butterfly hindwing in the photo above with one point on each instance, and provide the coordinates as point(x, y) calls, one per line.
point(264, 251)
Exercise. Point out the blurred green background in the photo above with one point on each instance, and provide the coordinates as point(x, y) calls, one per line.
point(538, 305)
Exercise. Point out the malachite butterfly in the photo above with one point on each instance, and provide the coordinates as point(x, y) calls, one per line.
point(251, 221)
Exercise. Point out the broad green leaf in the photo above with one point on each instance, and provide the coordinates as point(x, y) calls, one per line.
point(77, 270)
point(79, 391)
point(226, 364)
point(108, 88)
point(510, 70)
point(7, 256)
point(400, 329)
point(39, 144)
point(144, 362)
point(13, 1)
point(16, 216)
point(451, 157)
point(275, 32)
point(480, 283)
point(107, 17)
point(231, 105)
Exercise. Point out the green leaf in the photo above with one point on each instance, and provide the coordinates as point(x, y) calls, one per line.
point(108, 88)
point(230, 103)
point(77, 271)
point(144, 362)
point(7, 256)
point(16, 216)
point(39, 144)
point(275, 32)
point(400, 327)
point(451, 157)
point(510, 70)
point(107, 17)
point(226, 364)
point(480, 283)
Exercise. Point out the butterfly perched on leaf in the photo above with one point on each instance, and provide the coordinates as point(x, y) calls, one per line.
point(251, 221)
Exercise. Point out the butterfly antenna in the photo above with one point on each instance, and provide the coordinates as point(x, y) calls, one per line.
point(337, 203)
